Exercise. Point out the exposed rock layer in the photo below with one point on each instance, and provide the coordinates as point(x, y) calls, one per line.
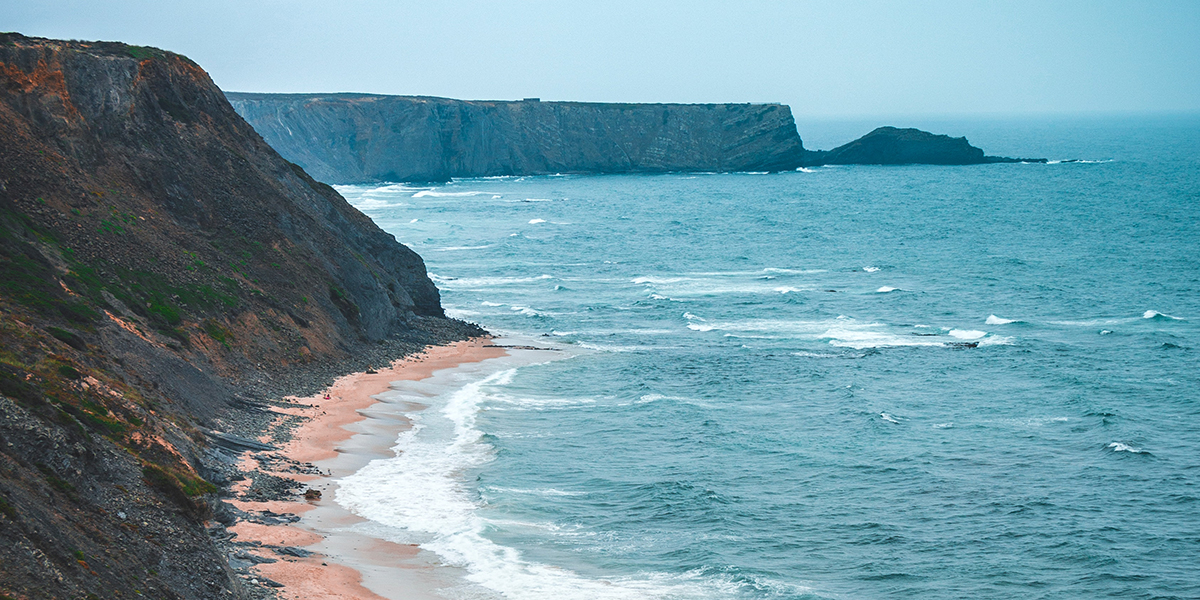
point(353, 138)
point(359, 138)
point(160, 265)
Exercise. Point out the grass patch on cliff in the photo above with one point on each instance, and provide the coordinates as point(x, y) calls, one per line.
point(151, 295)
point(28, 279)
point(342, 300)
point(7, 510)
point(178, 485)
point(218, 332)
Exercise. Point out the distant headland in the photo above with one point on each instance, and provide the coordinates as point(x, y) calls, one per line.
point(359, 138)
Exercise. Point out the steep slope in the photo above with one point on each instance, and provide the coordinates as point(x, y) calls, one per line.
point(351, 138)
point(160, 266)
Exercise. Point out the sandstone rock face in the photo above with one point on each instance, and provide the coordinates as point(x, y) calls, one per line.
point(355, 138)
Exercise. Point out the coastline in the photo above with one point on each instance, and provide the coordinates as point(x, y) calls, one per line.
point(307, 545)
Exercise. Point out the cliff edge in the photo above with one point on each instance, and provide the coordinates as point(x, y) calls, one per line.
point(357, 138)
point(163, 274)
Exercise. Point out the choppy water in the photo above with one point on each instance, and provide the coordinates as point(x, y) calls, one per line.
point(856, 382)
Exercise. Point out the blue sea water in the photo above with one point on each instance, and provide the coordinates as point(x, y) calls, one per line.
point(844, 382)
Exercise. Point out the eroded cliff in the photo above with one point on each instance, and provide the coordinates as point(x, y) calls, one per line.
point(163, 273)
point(352, 138)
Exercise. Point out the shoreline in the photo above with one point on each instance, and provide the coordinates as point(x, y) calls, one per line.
point(316, 554)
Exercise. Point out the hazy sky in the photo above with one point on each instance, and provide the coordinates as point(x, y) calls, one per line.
point(825, 59)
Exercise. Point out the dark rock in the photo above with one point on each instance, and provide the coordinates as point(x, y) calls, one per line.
point(893, 146)
point(353, 138)
point(293, 551)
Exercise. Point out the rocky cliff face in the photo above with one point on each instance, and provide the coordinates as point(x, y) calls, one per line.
point(163, 273)
point(351, 138)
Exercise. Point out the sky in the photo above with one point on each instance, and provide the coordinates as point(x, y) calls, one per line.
point(845, 59)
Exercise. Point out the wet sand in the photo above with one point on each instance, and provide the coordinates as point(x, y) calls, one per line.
point(347, 427)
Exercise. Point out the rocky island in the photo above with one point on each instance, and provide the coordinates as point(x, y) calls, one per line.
point(165, 278)
point(361, 138)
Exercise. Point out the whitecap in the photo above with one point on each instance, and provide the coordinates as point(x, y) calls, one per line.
point(996, 340)
point(885, 289)
point(612, 348)
point(994, 320)
point(536, 221)
point(967, 334)
point(787, 290)
point(698, 327)
point(870, 269)
point(459, 313)
point(437, 194)
point(538, 492)
point(793, 271)
point(454, 248)
point(413, 221)
point(943, 425)
point(482, 282)
point(525, 310)
point(1123, 447)
point(888, 418)
point(486, 303)
point(689, 316)
point(1154, 314)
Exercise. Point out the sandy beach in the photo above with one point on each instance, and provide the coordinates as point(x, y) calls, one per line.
point(344, 564)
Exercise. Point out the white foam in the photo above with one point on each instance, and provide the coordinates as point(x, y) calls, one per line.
point(486, 303)
point(459, 313)
point(1123, 447)
point(787, 290)
point(699, 327)
point(1151, 314)
point(413, 221)
point(888, 418)
point(994, 320)
point(536, 492)
point(870, 269)
point(689, 316)
point(967, 334)
point(536, 221)
point(943, 425)
point(525, 310)
point(996, 340)
point(482, 282)
point(613, 348)
point(793, 271)
point(885, 289)
point(453, 248)
point(862, 337)
point(437, 194)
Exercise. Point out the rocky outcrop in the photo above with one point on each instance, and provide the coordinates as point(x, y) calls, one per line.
point(353, 138)
point(893, 146)
point(163, 274)
point(359, 138)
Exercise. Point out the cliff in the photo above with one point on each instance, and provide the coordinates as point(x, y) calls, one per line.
point(353, 138)
point(163, 273)
point(893, 146)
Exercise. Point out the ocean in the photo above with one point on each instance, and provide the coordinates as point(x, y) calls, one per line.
point(839, 383)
